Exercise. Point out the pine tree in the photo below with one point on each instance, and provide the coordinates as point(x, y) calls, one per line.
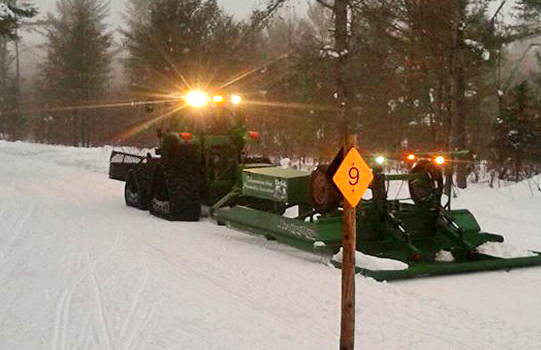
point(6, 89)
point(172, 43)
point(529, 15)
point(77, 67)
point(517, 137)
point(11, 16)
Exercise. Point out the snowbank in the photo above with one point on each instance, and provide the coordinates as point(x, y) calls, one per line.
point(95, 159)
point(504, 250)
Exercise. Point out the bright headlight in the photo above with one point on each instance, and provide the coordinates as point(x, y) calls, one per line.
point(439, 160)
point(380, 160)
point(235, 99)
point(196, 98)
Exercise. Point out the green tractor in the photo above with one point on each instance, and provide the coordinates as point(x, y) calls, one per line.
point(201, 162)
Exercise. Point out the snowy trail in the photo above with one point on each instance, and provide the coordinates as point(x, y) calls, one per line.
point(79, 270)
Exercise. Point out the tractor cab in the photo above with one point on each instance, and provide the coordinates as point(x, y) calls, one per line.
point(210, 121)
point(208, 134)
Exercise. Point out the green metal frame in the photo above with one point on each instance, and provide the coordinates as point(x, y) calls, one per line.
point(435, 268)
point(388, 229)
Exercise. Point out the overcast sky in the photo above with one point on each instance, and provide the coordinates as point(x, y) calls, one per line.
point(241, 8)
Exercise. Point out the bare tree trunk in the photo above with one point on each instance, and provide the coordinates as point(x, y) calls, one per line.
point(83, 128)
point(458, 121)
point(18, 123)
point(347, 334)
point(3, 82)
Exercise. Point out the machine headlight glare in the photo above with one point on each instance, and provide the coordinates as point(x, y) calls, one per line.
point(218, 98)
point(380, 160)
point(196, 98)
point(236, 99)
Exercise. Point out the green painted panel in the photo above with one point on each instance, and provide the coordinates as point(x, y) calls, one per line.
point(277, 184)
point(465, 219)
point(291, 231)
point(280, 172)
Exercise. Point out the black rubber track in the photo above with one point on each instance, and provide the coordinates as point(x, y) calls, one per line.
point(181, 193)
point(138, 183)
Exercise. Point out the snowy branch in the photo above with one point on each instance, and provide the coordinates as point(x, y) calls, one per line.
point(325, 4)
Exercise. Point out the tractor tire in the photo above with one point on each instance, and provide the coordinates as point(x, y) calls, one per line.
point(175, 194)
point(426, 192)
point(325, 197)
point(136, 188)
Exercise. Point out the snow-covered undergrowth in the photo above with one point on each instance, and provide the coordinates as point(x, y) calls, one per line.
point(5, 12)
point(444, 256)
point(80, 270)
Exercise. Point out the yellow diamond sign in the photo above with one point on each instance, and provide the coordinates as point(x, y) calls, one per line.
point(353, 177)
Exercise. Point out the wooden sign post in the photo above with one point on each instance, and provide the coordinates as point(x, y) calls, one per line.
point(352, 178)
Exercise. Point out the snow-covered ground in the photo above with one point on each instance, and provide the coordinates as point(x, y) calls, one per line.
point(79, 270)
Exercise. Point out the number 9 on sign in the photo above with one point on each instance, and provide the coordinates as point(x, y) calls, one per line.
point(353, 176)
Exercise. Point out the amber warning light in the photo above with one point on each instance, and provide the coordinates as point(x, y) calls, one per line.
point(218, 98)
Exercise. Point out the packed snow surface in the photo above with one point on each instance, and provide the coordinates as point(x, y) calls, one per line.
point(80, 270)
point(373, 262)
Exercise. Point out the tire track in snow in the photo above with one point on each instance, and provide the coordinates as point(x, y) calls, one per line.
point(105, 329)
point(449, 339)
point(62, 312)
point(143, 323)
point(137, 324)
point(418, 326)
point(83, 336)
point(218, 283)
point(18, 228)
point(142, 283)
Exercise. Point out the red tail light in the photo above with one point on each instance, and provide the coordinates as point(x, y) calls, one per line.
point(186, 136)
point(254, 135)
